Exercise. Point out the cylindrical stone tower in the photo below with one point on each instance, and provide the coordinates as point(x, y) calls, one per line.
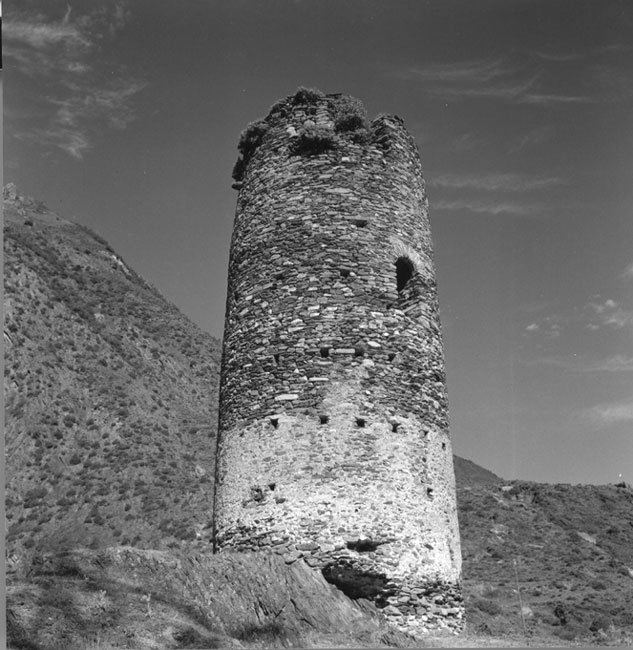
point(333, 440)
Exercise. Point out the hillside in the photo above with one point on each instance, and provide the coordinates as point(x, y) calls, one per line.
point(563, 554)
point(111, 396)
point(111, 403)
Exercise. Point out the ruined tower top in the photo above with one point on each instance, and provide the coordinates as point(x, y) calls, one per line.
point(333, 442)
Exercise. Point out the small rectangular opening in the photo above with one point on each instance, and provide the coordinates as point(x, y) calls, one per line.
point(274, 422)
point(324, 419)
point(360, 422)
point(276, 358)
point(324, 352)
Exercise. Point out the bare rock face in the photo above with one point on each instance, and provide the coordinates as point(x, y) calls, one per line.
point(333, 440)
point(130, 598)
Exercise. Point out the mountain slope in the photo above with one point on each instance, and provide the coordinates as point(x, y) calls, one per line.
point(468, 473)
point(563, 554)
point(111, 395)
point(111, 408)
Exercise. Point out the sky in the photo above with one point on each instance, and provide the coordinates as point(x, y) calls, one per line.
point(125, 116)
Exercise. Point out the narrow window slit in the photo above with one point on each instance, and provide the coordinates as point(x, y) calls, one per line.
point(391, 356)
point(274, 422)
point(394, 427)
point(276, 358)
point(429, 492)
point(444, 446)
point(325, 353)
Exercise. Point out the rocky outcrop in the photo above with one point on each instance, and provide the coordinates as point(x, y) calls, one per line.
point(129, 598)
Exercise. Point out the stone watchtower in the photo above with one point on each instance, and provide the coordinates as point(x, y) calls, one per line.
point(333, 441)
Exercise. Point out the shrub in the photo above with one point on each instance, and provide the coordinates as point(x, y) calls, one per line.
point(308, 96)
point(488, 606)
point(313, 140)
point(69, 420)
point(238, 169)
point(36, 493)
point(361, 136)
point(349, 115)
point(250, 138)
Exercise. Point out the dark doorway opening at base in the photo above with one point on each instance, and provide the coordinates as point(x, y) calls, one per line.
point(356, 584)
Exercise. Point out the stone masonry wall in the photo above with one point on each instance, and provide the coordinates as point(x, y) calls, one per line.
point(333, 443)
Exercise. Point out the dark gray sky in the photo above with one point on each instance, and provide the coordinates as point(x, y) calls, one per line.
point(125, 116)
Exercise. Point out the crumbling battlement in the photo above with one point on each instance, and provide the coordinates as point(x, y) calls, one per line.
point(333, 441)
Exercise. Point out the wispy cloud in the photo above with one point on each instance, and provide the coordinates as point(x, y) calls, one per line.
point(467, 142)
point(610, 413)
point(627, 274)
point(41, 36)
point(477, 71)
point(559, 57)
point(596, 315)
point(493, 193)
point(66, 57)
point(547, 99)
point(489, 206)
point(607, 313)
point(70, 140)
point(499, 182)
point(532, 138)
point(526, 79)
point(494, 78)
point(618, 363)
point(549, 326)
